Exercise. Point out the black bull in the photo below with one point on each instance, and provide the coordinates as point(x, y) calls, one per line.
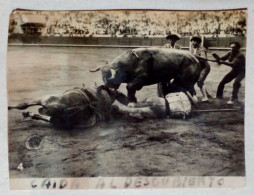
point(141, 67)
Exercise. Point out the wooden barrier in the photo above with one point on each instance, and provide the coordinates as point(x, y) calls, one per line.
point(217, 42)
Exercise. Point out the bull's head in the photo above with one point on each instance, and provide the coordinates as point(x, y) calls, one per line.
point(109, 77)
point(108, 73)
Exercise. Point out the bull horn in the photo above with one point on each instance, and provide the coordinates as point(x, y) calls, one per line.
point(95, 70)
point(113, 73)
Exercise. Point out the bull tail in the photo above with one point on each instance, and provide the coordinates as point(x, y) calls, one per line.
point(95, 70)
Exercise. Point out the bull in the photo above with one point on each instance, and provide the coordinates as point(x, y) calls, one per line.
point(146, 66)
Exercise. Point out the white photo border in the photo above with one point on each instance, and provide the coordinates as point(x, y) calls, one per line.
point(7, 7)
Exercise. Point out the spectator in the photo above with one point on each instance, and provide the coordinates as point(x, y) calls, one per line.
point(172, 39)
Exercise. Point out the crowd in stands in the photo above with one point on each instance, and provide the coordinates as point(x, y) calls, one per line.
point(136, 23)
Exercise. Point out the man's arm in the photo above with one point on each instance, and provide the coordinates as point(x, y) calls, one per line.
point(231, 64)
point(238, 61)
point(225, 57)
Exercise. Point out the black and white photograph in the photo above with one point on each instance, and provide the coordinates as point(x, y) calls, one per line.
point(126, 93)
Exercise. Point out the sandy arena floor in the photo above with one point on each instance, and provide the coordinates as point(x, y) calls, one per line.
point(205, 144)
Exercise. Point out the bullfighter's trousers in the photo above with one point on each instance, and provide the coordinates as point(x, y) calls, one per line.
point(233, 74)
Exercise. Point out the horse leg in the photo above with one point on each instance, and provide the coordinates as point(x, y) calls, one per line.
point(36, 116)
point(25, 105)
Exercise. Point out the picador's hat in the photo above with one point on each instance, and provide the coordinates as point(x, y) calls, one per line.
point(173, 36)
point(195, 38)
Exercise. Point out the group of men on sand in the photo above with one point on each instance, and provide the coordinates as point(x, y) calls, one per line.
point(234, 58)
point(84, 106)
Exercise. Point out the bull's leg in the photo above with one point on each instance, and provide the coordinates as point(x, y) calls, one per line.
point(162, 89)
point(131, 94)
point(183, 85)
point(188, 89)
point(192, 90)
point(175, 86)
point(191, 93)
point(133, 86)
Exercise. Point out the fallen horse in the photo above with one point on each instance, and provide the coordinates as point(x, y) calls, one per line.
point(78, 106)
point(83, 107)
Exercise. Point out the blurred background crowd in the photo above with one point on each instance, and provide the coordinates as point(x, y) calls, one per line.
point(129, 23)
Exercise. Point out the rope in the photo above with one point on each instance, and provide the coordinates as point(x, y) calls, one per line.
point(204, 58)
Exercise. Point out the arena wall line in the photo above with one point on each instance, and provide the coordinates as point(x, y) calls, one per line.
point(211, 42)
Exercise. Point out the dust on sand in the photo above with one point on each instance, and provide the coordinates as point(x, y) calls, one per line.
point(203, 144)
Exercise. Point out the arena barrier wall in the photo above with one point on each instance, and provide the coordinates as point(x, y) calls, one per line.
point(218, 42)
